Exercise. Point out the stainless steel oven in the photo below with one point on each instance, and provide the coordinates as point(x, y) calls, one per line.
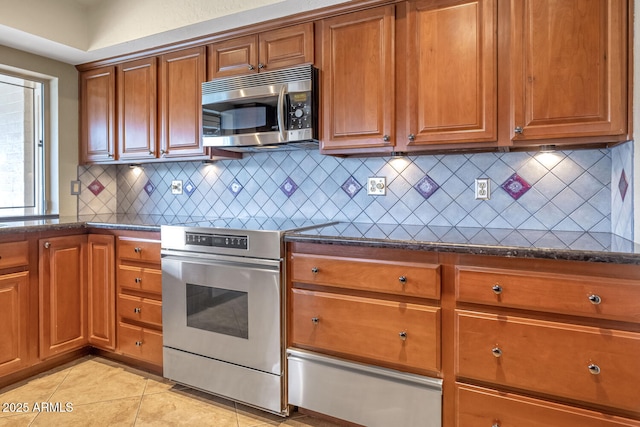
point(223, 294)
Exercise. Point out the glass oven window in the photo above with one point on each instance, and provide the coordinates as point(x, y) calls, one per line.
point(218, 310)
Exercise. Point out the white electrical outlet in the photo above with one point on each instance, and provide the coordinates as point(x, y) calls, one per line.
point(176, 187)
point(376, 186)
point(483, 188)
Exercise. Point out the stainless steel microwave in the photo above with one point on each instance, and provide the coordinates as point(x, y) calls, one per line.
point(273, 109)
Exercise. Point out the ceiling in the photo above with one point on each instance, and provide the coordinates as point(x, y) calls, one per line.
point(81, 31)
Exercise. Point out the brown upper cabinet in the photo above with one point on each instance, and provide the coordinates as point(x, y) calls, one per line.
point(358, 93)
point(98, 115)
point(568, 70)
point(280, 48)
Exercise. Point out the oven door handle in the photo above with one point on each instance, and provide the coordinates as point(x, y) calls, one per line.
point(220, 259)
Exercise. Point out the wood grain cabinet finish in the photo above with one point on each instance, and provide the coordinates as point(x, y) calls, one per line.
point(14, 254)
point(139, 309)
point(479, 406)
point(450, 88)
point(98, 115)
point(581, 363)
point(393, 277)
point(137, 109)
point(140, 343)
point(596, 297)
point(63, 296)
point(568, 69)
point(14, 318)
point(140, 278)
point(101, 291)
point(358, 75)
point(180, 102)
point(138, 249)
point(380, 331)
point(271, 50)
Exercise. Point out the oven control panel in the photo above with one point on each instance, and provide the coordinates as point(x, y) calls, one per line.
point(217, 240)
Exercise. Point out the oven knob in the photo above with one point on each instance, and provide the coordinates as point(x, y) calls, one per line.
point(299, 113)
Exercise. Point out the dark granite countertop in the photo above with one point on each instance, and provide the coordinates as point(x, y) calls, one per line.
point(563, 245)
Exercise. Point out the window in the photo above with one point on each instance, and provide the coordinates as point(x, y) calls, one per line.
point(21, 147)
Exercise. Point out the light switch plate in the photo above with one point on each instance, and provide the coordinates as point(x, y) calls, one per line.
point(75, 188)
point(176, 187)
point(376, 186)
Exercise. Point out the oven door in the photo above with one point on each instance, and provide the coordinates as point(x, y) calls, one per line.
point(225, 308)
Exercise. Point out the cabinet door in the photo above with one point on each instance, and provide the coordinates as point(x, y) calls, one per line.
point(14, 317)
point(137, 106)
point(450, 73)
point(101, 290)
point(285, 47)
point(358, 80)
point(233, 57)
point(181, 76)
point(63, 313)
point(97, 115)
point(569, 76)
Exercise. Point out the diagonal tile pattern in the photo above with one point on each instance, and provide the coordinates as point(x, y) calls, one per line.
point(93, 391)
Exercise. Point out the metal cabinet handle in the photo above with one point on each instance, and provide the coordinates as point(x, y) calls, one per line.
point(138, 343)
point(251, 67)
point(151, 152)
point(110, 156)
point(594, 369)
point(137, 250)
point(495, 425)
point(314, 270)
point(518, 130)
point(386, 138)
point(496, 351)
point(261, 65)
point(402, 279)
point(137, 310)
point(412, 137)
point(47, 245)
point(497, 289)
point(403, 335)
point(163, 152)
point(315, 320)
point(595, 299)
point(138, 280)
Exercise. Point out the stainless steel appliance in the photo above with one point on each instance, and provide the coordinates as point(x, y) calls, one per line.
point(223, 293)
point(274, 109)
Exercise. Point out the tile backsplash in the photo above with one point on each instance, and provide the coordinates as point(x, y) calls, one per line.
point(579, 190)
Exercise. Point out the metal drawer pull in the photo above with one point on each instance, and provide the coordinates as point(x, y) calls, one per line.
point(315, 320)
point(497, 289)
point(47, 245)
point(595, 299)
point(495, 425)
point(138, 279)
point(403, 335)
point(138, 343)
point(314, 270)
point(594, 369)
point(496, 351)
point(137, 310)
point(137, 250)
point(402, 279)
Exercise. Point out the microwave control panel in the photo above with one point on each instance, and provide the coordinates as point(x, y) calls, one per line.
point(300, 116)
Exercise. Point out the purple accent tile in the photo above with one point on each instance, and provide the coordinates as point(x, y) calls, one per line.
point(426, 187)
point(189, 188)
point(235, 187)
point(149, 188)
point(623, 185)
point(515, 186)
point(96, 187)
point(289, 187)
point(351, 187)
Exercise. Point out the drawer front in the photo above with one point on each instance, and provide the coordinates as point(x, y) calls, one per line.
point(401, 278)
point(141, 343)
point(478, 406)
point(577, 362)
point(139, 249)
point(140, 309)
point(14, 254)
point(140, 278)
point(567, 294)
point(367, 328)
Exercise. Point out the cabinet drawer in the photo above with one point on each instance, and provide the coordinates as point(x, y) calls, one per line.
point(141, 343)
point(367, 328)
point(567, 294)
point(484, 407)
point(143, 279)
point(14, 254)
point(139, 249)
point(401, 278)
point(140, 309)
point(578, 362)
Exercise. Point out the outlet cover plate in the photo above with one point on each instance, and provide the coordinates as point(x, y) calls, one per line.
point(376, 186)
point(176, 187)
point(483, 188)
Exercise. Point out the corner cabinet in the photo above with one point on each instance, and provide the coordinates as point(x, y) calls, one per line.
point(63, 296)
point(569, 65)
point(98, 115)
point(358, 75)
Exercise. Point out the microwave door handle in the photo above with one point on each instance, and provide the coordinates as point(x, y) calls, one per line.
point(281, 113)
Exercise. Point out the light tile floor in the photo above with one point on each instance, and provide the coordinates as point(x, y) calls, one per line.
point(94, 391)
